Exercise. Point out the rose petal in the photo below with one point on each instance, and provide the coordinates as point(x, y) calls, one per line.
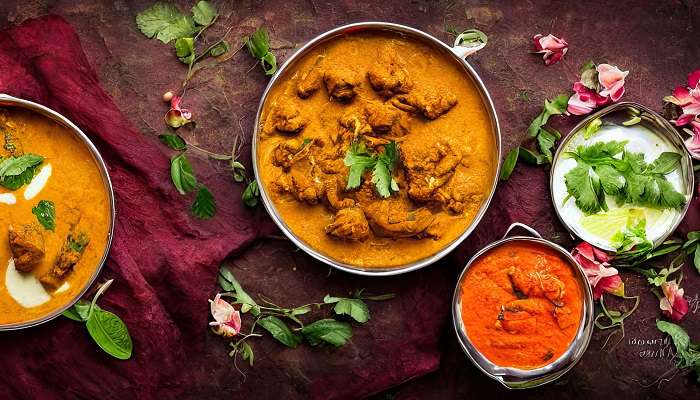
point(694, 78)
point(674, 304)
point(578, 106)
point(684, 119)
point(609, 75)
point(682, 95)
point(611, 284)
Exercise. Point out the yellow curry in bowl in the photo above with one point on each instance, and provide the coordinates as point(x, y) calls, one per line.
point(55, 216)
point(376, 149)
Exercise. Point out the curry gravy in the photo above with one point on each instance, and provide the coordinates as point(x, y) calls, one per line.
point(465, 127)
point(75, 185)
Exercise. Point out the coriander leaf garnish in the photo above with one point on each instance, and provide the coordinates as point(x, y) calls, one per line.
point(258, 45)
point(382, 165)
point(280, 331)
point(175, 142)
point(606, 168)
point(327, 331)
point(165, 22)
point(45, 213)
point(204, 205)
point(182, 175)
point(104, 327)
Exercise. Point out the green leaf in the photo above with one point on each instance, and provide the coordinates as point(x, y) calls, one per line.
point(220, 49)
point(182, 175)
point(558, 105)
point(381, 177)
point(696, 258)
point(247, 353)
point(280, 331)
point(204, 205)
point(229, 283)
point(258, 43)
point(632, 121)
point(530, 157)
point(584, 186)
point(14, 166)
point(471, 37)
point(328, 331)
point(536, 123)
point(110, 333)
point(78, 242)
point(175, 142)
point(165, 22)
point(509, 164)
point(355, 308)
point(45, 213)
point(681, 340)
point(592, 128)
point(269, 64)
point(589, 76)
point(79, 311)
point(545, 142)
point(359, 161)
point(666, 163)
point(204, 13)
point(612, 180)
point(184, 48)
point(250, 194)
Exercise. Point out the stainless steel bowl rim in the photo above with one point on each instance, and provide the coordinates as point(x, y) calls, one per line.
point(488, 104)
point(515, 378)
point(10, 101)
point(671, 134)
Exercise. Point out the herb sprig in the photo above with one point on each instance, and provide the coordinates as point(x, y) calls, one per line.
point(258, 45)
point(382, 164)
point(284, 323)
point(104, 327)
point(687, 353)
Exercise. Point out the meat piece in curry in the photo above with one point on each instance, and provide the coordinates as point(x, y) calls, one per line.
point(285, 118)
point(370, 207)
point(26, 246)
point(73, 248)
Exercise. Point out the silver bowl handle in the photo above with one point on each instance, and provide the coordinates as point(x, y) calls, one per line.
point(523, 226)
point(463, 51)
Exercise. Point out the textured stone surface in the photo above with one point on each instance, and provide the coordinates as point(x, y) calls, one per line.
point(656, 41)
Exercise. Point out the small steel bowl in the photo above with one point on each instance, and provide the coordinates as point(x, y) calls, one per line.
point(456, 52)
point(515, 378)
point(617, 113)
point(9, 101)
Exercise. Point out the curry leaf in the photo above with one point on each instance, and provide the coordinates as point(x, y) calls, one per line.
point(328, 331)
point(165, 22)
point(15, 166)
point(250, 194)
point(203, 13)
point(110, 333)
point(175, 142)
point(45, 213)
point(204, 205)
point(182, 175)
point(229, 283)
point(280, 331)
point(509, 164)
point(355, 308)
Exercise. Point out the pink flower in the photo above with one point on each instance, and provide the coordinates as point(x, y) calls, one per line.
point(673, 304)
point(176, 116)
point(693, 142)
point(688, 98)
point(227, 320)
point(552, 48)
point(584, 100)
point(595, 264)
point(612, 80)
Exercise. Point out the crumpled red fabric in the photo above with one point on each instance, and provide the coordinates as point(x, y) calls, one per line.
point(164, 264)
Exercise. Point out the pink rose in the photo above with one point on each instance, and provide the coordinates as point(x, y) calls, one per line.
point(552, 48)
point(673, 304)
point(693, 142)
point(227, 320)
point(612, 80)
point(176, 116)
point(688, 98)
point(595, 264)
point(584, 100)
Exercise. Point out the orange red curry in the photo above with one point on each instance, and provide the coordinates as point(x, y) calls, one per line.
point(521, 305)
point(371, 90)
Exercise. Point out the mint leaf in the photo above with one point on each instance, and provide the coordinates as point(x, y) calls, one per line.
point(204, 205)
point(45, 213)
point(327, 331)
point(204, 13)
point(165, 22)
point(182, 175)
point(280, 331)
point(355, 308)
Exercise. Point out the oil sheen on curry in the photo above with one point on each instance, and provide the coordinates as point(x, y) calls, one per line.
point(521, 305)
point(376, 150)
point(54, 216)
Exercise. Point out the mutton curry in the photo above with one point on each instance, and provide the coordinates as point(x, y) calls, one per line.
point(54, 216)
point(376, 149)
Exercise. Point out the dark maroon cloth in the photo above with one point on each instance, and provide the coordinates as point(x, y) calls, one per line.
point(164, 264)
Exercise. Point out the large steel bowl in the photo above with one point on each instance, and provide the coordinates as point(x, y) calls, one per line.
point(9, 101)
point(457, 53)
